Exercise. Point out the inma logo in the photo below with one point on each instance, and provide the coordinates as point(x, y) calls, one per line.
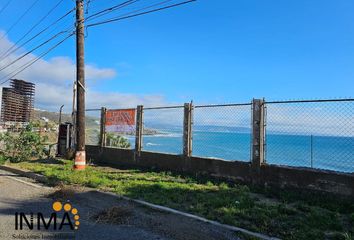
point(63, 215)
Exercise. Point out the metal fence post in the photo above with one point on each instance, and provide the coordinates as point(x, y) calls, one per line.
point(103, 127)
point(187, 129)
point(258, 133)
point(139, 130)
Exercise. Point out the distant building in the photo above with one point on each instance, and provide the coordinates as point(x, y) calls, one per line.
point(17, 101)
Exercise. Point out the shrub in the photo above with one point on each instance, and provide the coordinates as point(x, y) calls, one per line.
point(2, 159)
point(23, 145)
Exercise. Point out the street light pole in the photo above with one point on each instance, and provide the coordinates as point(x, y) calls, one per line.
point(60, 111)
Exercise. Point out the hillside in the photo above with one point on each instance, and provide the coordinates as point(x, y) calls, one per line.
point(51, 116)
point(91, 122)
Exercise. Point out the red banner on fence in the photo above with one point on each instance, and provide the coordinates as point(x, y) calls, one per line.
point(121, 121)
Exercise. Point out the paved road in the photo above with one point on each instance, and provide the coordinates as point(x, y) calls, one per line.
point(19, 194)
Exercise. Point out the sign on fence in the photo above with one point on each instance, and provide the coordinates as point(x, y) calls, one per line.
point(120, 121)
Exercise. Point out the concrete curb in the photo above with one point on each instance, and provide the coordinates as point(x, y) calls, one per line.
point(25, 173)
point(42, 179)
point(170, 210)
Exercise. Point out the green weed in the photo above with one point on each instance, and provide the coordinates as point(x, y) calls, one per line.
point(290, 215)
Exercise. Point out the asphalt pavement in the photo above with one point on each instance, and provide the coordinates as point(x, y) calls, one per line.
point(22, 195)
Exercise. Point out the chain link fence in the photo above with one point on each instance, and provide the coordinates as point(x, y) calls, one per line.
point(222, 131)
point(316, 134)
point(163, 129)
point(92, 126)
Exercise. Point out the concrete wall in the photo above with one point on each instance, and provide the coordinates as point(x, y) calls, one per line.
point(273, 175)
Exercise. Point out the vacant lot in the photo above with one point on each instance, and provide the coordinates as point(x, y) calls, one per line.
point(283, 214)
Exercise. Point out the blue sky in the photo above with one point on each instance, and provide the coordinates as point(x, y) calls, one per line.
point(217, 51)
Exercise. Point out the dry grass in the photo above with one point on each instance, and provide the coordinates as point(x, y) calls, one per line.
point(114, 215)
point(65, 192)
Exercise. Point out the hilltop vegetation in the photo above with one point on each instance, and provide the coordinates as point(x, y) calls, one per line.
point(51, 116)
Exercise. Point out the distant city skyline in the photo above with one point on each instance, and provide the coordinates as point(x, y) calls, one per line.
point(207, 51)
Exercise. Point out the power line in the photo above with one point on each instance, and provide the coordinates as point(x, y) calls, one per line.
point(32, 50)
point(89, 2)
point(33, 61)
point(138, 14)
point(35, 36)
point(64, 25)
point(122, 5)
point(19, 19)
point(33, 27)
point(110, 9)
point(30, 63)
point(5, 6)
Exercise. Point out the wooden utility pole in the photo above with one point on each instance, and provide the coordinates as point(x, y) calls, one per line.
point(80, 155)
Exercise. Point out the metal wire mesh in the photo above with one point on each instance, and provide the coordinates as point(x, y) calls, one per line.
point(318, 134)
point(222, 131)
point(92, 127)
point(163, 130)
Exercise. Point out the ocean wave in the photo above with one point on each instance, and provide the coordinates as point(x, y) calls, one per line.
point(166, 135)
point(153, 144)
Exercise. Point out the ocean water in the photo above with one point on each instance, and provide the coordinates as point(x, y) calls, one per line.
point(322, 152)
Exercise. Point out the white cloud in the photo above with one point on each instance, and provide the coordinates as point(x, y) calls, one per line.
point(331, 118)
point(52, 96)
point(61, 69)
point(54, 78)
